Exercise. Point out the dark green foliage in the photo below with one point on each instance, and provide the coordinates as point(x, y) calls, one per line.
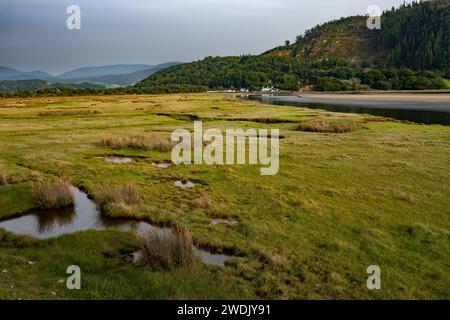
point(22, 85)
point(417, 35)
point(230, 72)
point(69, 91)
point(16, 86)
point(341, 55)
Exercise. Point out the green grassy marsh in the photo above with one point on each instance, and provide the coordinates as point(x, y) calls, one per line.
point(340, 202)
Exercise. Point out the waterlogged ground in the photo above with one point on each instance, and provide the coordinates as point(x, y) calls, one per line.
point(340, 203)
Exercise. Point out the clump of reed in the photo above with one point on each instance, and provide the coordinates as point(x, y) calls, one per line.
point(164, 249)
point(53, 194)
point(204, 202)
point(322, 126)
point(3, 178)
point(148, 142)
point(118, 201)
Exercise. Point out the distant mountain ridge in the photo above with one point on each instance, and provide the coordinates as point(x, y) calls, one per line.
point(124, 79)
point(110, 75)
point(7, 73)
point(98, 71)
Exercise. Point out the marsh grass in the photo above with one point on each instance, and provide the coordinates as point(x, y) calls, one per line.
point(114, 142)
point(164, 249)
point(323, 126)
point(3, 178)
point(54, 113)
point(148, 142)
point(118, 201)
point(53, 194)
point(203, 202)
point(338, 221)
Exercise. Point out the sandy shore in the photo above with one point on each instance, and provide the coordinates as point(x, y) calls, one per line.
point(418, 97)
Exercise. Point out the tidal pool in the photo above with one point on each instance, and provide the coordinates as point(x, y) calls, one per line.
point(162, 165)
point(233, 222)
point(117, 159)
point(204, 256)
point(181, 184)
point(84, 215)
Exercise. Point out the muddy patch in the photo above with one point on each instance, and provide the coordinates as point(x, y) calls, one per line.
point(118, 159)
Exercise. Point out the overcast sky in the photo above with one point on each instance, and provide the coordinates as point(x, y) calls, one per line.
point(33, 33)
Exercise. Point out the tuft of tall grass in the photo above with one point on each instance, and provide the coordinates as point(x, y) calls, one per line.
point(203, 202)
point(126, 194)
point(53, 194)
point(118, 201)
point(164, 249)
point(330, 126)
point(114, 142)
point(3, 178)
point(150, 142)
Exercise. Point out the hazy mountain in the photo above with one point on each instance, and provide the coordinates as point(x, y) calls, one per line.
point(7, 73)
point(125, 79)
point(90, 72)
point(114, 75)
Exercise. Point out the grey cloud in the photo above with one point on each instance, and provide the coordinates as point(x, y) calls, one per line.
point(34, 36)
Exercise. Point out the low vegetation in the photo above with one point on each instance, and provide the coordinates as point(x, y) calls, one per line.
point(340, 203)
point(53, 113)
point(325, 126)
point(148, 142)
point(163, 249)
point(118, 201)
point(204, 202)
point(53, 194)
point(3, 178)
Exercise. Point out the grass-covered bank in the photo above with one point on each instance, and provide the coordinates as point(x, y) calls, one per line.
point(31, 270)
point(341, 201)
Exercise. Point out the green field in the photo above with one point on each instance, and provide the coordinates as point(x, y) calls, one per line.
point(340, 202)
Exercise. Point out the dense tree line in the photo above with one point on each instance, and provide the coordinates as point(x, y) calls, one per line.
point(231, 72)
point(285, 73)
point(70, 91)
point(351, 79)
point(22, 85)
point(417, 35)
point(13, 86)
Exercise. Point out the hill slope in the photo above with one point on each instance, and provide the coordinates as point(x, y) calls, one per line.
point(338, 55)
